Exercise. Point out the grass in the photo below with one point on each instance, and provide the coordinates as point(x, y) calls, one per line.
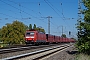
point(3, 45)
point(82, 57)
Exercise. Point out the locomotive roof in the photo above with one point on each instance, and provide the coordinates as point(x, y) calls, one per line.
point(35, 30)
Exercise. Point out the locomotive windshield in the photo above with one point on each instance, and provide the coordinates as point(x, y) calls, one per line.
point(29, 33)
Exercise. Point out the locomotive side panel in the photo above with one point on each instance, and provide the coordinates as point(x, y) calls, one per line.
point(41, 37)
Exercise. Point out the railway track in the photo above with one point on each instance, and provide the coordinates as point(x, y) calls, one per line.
point(10, 50)
point(2, 51)
point(40, 54)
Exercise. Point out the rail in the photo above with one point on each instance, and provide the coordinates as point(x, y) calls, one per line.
point(38, 54)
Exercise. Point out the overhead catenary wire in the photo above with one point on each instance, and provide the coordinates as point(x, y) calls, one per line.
point(23, 7)
point(13, 7)
point(59, 10)
point(48, 19)
point(20, 10)
point(54, 8)
point(56, 11)
point(51, 21)
point(9, 10)
point(8, 15)
point(42, 15)
point(16, 8)
point(28, 9)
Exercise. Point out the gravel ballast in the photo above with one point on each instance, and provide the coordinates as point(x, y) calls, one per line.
point(68, 54)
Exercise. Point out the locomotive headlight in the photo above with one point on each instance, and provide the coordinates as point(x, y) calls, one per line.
point(32, 37)
point(27, 37)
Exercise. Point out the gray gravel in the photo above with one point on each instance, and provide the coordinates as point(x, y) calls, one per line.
point(63, 55)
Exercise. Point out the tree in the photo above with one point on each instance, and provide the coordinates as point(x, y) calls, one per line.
point(40, 29)
point(34, 27)
point(63, 35)
point(83, 43)
point(30, 26)
point(0, 35)
point(13, 33)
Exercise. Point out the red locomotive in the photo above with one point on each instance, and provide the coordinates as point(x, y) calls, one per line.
point(35, 37)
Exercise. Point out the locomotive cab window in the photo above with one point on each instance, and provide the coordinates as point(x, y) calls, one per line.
point(30, 34)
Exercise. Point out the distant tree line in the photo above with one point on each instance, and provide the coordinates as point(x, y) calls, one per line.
point(13, 33)
point(40, 29)
point(63, 35)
